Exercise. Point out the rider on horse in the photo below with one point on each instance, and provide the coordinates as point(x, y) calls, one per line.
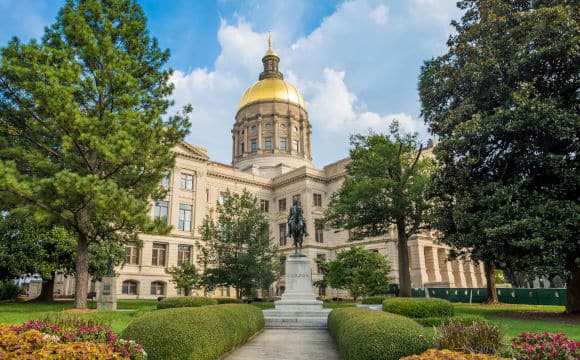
point(294, 211)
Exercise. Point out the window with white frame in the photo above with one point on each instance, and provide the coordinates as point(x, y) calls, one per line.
point(184, 223)
point(186, 181)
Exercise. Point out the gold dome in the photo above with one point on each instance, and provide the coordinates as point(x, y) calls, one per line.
point(272, 89)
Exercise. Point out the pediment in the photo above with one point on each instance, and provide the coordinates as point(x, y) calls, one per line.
point(190, 150)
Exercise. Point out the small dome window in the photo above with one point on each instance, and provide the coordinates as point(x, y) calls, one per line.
point(282, 126)
point(254, 128)
point(268, 126)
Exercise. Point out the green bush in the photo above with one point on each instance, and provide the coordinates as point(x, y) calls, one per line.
point(466, 319)
point(10, 291)
point(201, 333)
point(228, 301)
point(371, 300)
point(419, 307)
point(476, 337)
point(185, 301)
point(364, 334)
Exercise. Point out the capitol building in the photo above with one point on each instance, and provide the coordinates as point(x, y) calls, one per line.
point(272, 159)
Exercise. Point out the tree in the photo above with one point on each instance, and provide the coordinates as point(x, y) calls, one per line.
point(504, 102)
point(82, 138)
point(236, 249)
point(185, 277)
point(362, 272)
point(384, 186)
point(26, 247)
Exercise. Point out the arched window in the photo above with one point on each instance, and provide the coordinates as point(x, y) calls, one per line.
point(157, 288)
point(130, 287)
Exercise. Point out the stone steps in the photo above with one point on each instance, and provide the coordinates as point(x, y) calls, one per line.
point(313, 319)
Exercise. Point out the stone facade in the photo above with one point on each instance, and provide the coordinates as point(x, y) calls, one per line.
point(271, 157)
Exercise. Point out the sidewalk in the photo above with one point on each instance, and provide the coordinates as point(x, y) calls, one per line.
point(288, 344)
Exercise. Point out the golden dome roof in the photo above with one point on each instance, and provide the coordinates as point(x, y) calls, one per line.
point(272, 89)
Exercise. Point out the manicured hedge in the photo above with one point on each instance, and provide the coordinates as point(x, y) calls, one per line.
point(372, 300)
point(466, 319)
point(363, 334)
point(201, 333)
point(419, 307)
point(228, 301)
point(185, 301)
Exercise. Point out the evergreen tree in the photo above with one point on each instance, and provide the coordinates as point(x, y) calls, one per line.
point(384, 186)
point(82, 138)
point(504, 102)
point(236, 249)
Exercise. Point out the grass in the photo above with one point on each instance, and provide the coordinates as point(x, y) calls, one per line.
point(513, 327)
point(16, 313)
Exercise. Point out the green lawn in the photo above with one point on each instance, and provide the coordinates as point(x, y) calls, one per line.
point(16, 313)
point(513, 327)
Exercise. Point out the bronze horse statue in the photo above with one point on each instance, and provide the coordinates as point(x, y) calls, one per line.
point(297, 230)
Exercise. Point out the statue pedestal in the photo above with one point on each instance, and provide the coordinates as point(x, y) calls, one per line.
point(107, 300)
point(298, 307)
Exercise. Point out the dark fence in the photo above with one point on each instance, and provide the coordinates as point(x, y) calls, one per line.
point(505, 295)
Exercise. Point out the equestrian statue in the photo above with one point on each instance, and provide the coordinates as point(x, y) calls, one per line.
point(297, 226)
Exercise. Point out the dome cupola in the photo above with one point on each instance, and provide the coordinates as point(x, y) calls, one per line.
point(271, 134)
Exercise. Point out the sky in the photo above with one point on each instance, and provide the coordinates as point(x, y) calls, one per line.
point(356, 62)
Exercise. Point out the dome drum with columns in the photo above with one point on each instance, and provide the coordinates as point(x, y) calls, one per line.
point(271, 134)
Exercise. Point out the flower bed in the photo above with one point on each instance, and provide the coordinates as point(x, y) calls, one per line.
point(539, 346)
point(39, 338)
point(433, 354)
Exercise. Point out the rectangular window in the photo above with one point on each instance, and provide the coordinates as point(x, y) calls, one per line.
point(265, 205)
point(158, 254)
point(318, 267)
point(254, 145)
point(165, 180)
point(282, 204)
point(242, 148)
point(318, 231)
point(186, 181)
point(317, 200)
point(131, 254)
point(282, 230)
point(282, 143)
point(184, 223)
point(161, 209)
point(183, 254)
point(223, 198)
point(268, 143)
point(157, 288)
point(129, 288)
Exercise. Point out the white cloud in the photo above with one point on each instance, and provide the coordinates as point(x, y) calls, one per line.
point(357, 70)
point(380, 14)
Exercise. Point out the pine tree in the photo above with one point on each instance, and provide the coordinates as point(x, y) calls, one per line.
point(82, 137)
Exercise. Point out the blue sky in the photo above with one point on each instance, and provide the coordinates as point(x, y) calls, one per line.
point(355, 62)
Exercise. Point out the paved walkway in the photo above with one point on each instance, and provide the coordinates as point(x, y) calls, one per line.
point(288, 344)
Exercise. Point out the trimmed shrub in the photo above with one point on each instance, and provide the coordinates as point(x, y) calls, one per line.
point(433, 354)
point(229, 301)
point(477, 337)
point(363, 334)
point(195, 333)
point(419, 307)
point(372, 300)
point(185, 301)
point(10, 291)
point(461, 318)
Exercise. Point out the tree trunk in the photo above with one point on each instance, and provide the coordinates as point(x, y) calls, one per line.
point(490, 279)
point(82, 272)
point(47, 291)
point(403, 252)
point(573, 298)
